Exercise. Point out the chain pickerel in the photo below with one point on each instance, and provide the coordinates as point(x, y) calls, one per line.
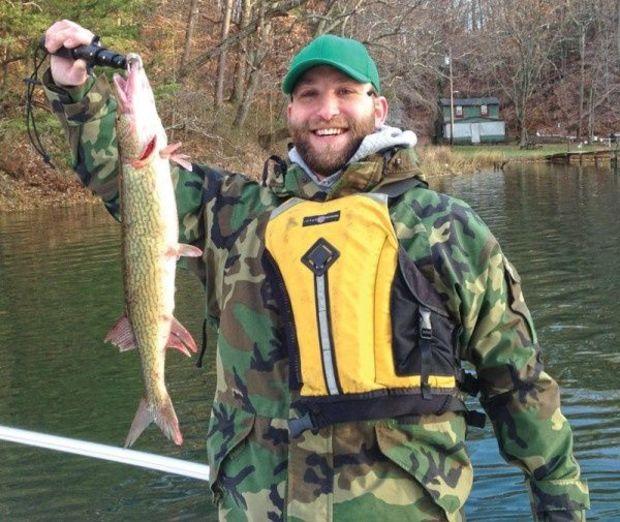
point(150, 248)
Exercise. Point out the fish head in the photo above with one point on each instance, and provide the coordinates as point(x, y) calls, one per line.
point(140, 131)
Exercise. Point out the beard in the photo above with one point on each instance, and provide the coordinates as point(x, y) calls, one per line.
point(330, 159)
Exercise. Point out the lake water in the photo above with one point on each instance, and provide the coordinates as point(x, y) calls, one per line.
point(60, 292)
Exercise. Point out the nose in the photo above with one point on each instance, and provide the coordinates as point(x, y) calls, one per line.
point(328, 107)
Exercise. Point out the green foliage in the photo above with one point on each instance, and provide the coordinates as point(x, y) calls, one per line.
point(166, 90)
point(117, 22)
point(21, 25)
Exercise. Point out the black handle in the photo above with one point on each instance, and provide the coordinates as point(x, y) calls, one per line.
point(93, 54)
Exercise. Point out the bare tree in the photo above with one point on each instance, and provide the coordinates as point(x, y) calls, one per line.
point(518, 43)
point(221, 64)
point(242, 53)
point(259, 52)
point(189, 31)
point(582, 16)
point(603, 68)
point(275, 9)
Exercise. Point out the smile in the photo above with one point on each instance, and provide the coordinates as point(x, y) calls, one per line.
point(329, 132)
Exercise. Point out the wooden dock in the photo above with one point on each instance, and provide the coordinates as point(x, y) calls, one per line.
point(581, 156)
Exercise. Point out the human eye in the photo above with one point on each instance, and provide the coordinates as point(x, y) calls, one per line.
point(307, 94)
point(346, 91)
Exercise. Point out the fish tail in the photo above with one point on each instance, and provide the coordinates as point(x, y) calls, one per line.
point(164, 416)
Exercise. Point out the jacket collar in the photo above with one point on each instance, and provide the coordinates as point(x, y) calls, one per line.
point(370, 173)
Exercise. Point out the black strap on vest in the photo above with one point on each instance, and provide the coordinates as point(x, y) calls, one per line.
point(336, 409)
point(203, 348)
point(425, 332)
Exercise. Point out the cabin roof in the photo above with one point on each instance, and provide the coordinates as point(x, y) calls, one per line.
point(489, 100)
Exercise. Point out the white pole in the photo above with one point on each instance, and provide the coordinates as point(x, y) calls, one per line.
point(104, 452)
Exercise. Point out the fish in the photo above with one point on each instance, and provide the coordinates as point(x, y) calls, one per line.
point(150, 248)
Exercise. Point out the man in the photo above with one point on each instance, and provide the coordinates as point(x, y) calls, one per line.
point(346, 295)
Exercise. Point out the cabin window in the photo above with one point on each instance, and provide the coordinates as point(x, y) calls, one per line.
point(458, 111)
point(484, 110)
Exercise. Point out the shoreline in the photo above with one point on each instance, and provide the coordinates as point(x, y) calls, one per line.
point(41, 191)
point(43, 187)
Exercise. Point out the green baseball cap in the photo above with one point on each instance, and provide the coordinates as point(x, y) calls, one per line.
point(344, 54)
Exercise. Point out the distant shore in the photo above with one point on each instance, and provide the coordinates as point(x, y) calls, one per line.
point(40, 186)
point(466, 159)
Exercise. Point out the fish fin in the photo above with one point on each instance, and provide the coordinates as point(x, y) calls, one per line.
point(186, 250)
point(179, 334)
point(164, 417)
point(144, 417)
point(182, 249)
point(121, 335)
point(168, 150)
point(182, 159)
point(177, 344)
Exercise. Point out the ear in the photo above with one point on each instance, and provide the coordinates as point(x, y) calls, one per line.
point(288, 110)
point(381, 110)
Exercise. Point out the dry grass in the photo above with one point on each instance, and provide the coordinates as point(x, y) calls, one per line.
point(440, 160)
point(209, 137)
point(26, 182)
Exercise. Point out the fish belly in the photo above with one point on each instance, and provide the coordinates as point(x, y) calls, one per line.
point(150, 234)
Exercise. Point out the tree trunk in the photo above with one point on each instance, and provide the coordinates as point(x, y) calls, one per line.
point(248, 96)
point(520, 114)
point(189, 32)
point(523, 139)
point(582, 80)
point(278, 9)
point(242, 59)
point(618, 26)
point(258, 56)
point(591, 114)
point(221, 64)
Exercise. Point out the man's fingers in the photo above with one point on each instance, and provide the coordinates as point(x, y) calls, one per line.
point(66, 34)
point(69, 38)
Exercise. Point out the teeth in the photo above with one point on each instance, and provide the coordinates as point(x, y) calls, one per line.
point(328, 132)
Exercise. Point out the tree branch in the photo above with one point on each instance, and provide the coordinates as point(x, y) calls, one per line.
point(278, 10)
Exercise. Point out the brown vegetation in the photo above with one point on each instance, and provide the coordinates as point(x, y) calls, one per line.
point(216, 67)
point(439, 161)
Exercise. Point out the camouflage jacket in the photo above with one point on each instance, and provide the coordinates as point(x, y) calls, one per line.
point(415, 468)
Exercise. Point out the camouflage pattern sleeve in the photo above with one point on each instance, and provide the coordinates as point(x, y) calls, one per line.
point(87, 115)
point(522, 401)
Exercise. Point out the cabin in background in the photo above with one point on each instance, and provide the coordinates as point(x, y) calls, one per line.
point(476, 120)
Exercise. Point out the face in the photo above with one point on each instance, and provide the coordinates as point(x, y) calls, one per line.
point(329, 115)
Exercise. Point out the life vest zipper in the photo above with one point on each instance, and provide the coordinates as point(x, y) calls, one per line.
point(319, 258)
point(327, 350)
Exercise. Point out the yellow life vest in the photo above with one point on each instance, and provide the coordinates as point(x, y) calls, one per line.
point(368, 335)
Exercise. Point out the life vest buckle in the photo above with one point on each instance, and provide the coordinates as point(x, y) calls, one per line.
point(426, 328)
point(297, 426)
point(468, 383)
point(475, 418)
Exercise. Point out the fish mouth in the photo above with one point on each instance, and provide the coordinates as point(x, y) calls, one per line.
point(125, 87)
point(134, 61)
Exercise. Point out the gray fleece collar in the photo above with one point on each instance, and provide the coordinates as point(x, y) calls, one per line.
point(383, 138)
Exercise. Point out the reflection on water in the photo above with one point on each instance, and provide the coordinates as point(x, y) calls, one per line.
point(61, 292)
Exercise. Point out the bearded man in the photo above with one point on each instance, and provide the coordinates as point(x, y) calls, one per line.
point(346, 295)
